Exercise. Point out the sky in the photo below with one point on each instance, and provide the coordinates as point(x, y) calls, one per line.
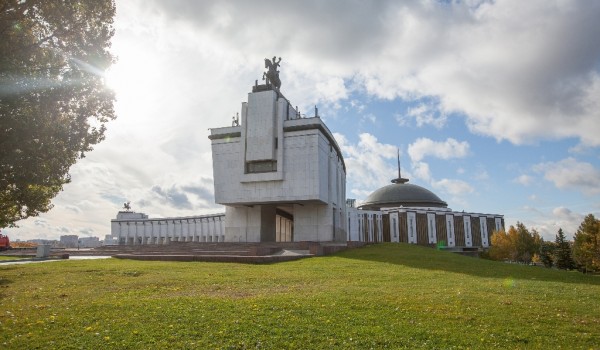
point(493, 105)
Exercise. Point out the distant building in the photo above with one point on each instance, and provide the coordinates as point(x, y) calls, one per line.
point(69, 241)
point(89, 242)
point(110, 240)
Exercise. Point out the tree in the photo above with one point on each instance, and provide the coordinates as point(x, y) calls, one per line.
point(501, 246)
point(586, 245)
point(547, 253)
point(562, 252)
point(518, 244)
point(53, 102)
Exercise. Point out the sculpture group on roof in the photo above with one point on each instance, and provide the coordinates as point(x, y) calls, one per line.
point(271, 76)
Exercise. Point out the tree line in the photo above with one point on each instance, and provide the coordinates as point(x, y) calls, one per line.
point(519, 244)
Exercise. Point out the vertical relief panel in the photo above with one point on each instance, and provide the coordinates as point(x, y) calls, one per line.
point(412, 227)
point(394, 231)
point(467, 231)
point(485, 242)
point(260, 126)
point(498, 224)
point(450, 230)
point(431, 231)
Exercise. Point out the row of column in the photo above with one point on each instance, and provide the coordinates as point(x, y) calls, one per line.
point(164, 231)
point(364, 226)
point(449, 221)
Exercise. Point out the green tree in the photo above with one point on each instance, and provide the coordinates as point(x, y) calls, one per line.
point(53, 101)
point(547, 253)
point(586, 245)
point(562, 252)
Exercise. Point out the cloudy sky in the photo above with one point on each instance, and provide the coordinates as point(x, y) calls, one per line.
point(494, 106)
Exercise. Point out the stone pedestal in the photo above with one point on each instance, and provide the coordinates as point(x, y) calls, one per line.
point(43, 251)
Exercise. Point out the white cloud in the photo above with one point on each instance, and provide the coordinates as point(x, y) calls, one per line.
point(519, 72)
point(369, 118)
point(420, 170)
point(366, 165)
point(454, 187)
point(424, 114)
point(523, 179)
point(87, 231)
point(571, 174)
point(73, 208)
point(547, 223)
point(481, 174)
point(448, 149)
point(357, 105)
point(332, 90)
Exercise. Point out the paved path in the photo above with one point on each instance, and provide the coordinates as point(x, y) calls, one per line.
point(31, 261)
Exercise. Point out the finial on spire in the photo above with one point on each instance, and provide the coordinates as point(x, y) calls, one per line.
point(400, 179)
point(399, 172)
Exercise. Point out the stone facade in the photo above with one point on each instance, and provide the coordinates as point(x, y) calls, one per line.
point(365, 225)
point(440, 227)
point(132, 228)
point(278, 168)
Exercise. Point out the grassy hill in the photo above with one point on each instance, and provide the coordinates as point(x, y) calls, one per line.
point(384, 296)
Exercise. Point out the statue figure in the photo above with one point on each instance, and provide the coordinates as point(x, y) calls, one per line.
point(127, 206)
point(271, 76)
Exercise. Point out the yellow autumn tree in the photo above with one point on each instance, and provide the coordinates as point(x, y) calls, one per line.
point(517, 244)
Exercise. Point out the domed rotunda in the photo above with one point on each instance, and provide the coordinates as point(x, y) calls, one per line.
point(402, 194)
point(407, 213)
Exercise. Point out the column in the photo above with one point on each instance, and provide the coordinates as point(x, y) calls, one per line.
point(412, 227)
point(467, 226)
point(498, 222)
point(484, 232)
point(450, 230)
point(394, 230)
point(431, 231)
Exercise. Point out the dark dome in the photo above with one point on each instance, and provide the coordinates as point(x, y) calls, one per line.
point(403, 194)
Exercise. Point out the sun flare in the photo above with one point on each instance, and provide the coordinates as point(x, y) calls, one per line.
point(133, 73)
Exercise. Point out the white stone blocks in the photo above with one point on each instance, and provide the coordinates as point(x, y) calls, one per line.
point(260, 126)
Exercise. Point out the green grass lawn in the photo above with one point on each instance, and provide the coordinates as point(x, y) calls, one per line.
point(9, 257)
point(385, 296)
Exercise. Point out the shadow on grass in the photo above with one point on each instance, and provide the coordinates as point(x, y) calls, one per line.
point(419, 257)
point(4, 282)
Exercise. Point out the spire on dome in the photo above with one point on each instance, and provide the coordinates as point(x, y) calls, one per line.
point(400, 179)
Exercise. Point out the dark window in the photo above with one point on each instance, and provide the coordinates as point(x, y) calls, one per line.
point(264, 166)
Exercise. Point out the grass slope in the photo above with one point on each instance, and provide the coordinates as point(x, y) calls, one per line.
point(385, 296)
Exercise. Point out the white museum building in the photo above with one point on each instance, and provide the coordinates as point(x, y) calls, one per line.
point(282, 178)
